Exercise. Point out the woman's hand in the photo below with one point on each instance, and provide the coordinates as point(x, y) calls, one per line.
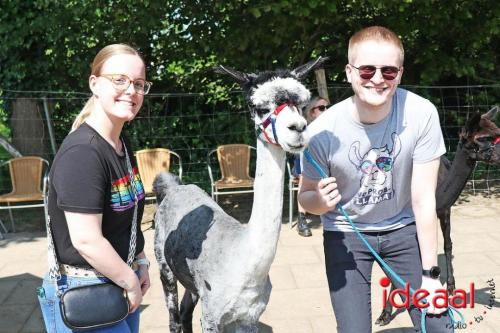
point(134, 295)
point(144, 278)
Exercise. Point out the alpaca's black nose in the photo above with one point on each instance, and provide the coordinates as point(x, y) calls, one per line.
point(297, 128)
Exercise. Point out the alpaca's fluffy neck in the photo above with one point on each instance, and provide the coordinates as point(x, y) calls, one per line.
point(265, 221)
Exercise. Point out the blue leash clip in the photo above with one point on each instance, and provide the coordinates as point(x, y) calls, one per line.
point(381, 261)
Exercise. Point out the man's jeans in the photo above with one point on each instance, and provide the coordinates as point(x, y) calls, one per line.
point(49, 303)
point(348, 268)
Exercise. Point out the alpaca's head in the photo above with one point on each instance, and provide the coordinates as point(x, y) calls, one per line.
point(480, 137)
point(276, 99)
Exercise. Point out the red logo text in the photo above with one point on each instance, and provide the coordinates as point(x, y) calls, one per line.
point(441, 298)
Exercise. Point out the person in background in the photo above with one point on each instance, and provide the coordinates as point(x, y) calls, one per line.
point(311, 111)
point(92, 195)
point(380, 149)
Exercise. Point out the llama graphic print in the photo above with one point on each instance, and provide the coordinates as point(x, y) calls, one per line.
point(376, 166)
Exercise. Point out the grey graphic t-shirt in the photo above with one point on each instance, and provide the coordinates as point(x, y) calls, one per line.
point(373, 163)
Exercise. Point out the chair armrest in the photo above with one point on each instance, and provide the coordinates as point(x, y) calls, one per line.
point(179, 159)
point(45, 179)
point(209, 168)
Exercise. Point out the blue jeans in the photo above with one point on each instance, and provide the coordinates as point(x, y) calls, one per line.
point(348, 268)
point(49, 303)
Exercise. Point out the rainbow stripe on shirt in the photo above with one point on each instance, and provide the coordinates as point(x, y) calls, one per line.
point(122, 195)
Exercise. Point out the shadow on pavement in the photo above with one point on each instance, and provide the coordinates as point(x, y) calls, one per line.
point(19, 309)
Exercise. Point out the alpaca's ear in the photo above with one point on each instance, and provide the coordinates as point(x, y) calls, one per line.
point(301, 71)
point(472, 125)
point(242, 78)
point(490, 115)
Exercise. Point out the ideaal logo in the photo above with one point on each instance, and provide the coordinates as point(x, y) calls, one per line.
point(441, 299)
point(457, 299)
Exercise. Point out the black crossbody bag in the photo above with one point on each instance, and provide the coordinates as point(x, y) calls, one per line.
point(93, 306)
point(97, 305)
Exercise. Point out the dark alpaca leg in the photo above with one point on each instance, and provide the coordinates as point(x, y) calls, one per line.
point(188, 303)
point(444, 220)
point(385, 317)
point(169, 283)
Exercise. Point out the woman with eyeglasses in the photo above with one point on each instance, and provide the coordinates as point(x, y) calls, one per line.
point(312, 110)
point(380, 149)
point(96, 196)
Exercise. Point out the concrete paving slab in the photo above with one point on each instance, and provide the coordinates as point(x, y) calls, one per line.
point(310, 275)
point(6, 288)
point(282, 278)
point(23, 292)
point(14, 317)
point(293, 255)
point(323, 324)
point(34, 324)
point(299, 301)
point(285, 326)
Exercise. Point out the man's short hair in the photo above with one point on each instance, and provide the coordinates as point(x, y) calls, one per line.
point(375, 33)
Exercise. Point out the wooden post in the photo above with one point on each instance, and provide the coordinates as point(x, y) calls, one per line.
point(321, 83)
point(50, 127)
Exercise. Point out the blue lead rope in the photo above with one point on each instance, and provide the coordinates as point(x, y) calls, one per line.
point(381, 261)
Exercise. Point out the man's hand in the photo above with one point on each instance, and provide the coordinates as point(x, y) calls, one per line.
point(327, 189)
point(431, 285)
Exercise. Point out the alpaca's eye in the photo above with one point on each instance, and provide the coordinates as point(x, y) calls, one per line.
point(261, 112)
point(484, 139)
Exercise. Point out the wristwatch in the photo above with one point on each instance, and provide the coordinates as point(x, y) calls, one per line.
point(142, 261)
point(433, 273)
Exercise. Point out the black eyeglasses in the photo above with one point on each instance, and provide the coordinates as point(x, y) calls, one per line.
point(122, 82)
point(366, 72)
point(321, 107)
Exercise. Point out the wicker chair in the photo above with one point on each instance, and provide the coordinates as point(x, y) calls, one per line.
point(29, 182)
point(152, 161)
point(234, 165)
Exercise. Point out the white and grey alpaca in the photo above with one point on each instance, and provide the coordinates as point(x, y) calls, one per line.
point(215, 257)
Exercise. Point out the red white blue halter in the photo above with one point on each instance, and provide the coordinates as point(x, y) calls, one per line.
point(271, 120)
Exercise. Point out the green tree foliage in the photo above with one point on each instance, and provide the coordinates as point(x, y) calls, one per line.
point(50, 44)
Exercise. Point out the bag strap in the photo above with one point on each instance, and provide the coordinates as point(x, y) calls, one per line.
point(133, 233)
point(54, 270)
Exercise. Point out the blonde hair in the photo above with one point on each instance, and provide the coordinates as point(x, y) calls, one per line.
point(102, 56)
point(375, 33)
point(309, 107)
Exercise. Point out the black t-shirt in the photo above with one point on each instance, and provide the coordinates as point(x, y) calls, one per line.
point(88, 176)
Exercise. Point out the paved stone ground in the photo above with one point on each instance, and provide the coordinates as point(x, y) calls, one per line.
point(299, 301)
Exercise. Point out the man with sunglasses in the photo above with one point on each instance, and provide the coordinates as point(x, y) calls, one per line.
point(381, 150)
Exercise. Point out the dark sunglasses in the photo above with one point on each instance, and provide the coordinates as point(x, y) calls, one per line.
point(366, 72)
point(321, 107)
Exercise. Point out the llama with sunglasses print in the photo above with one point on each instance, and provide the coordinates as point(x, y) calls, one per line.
point(376, 171)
